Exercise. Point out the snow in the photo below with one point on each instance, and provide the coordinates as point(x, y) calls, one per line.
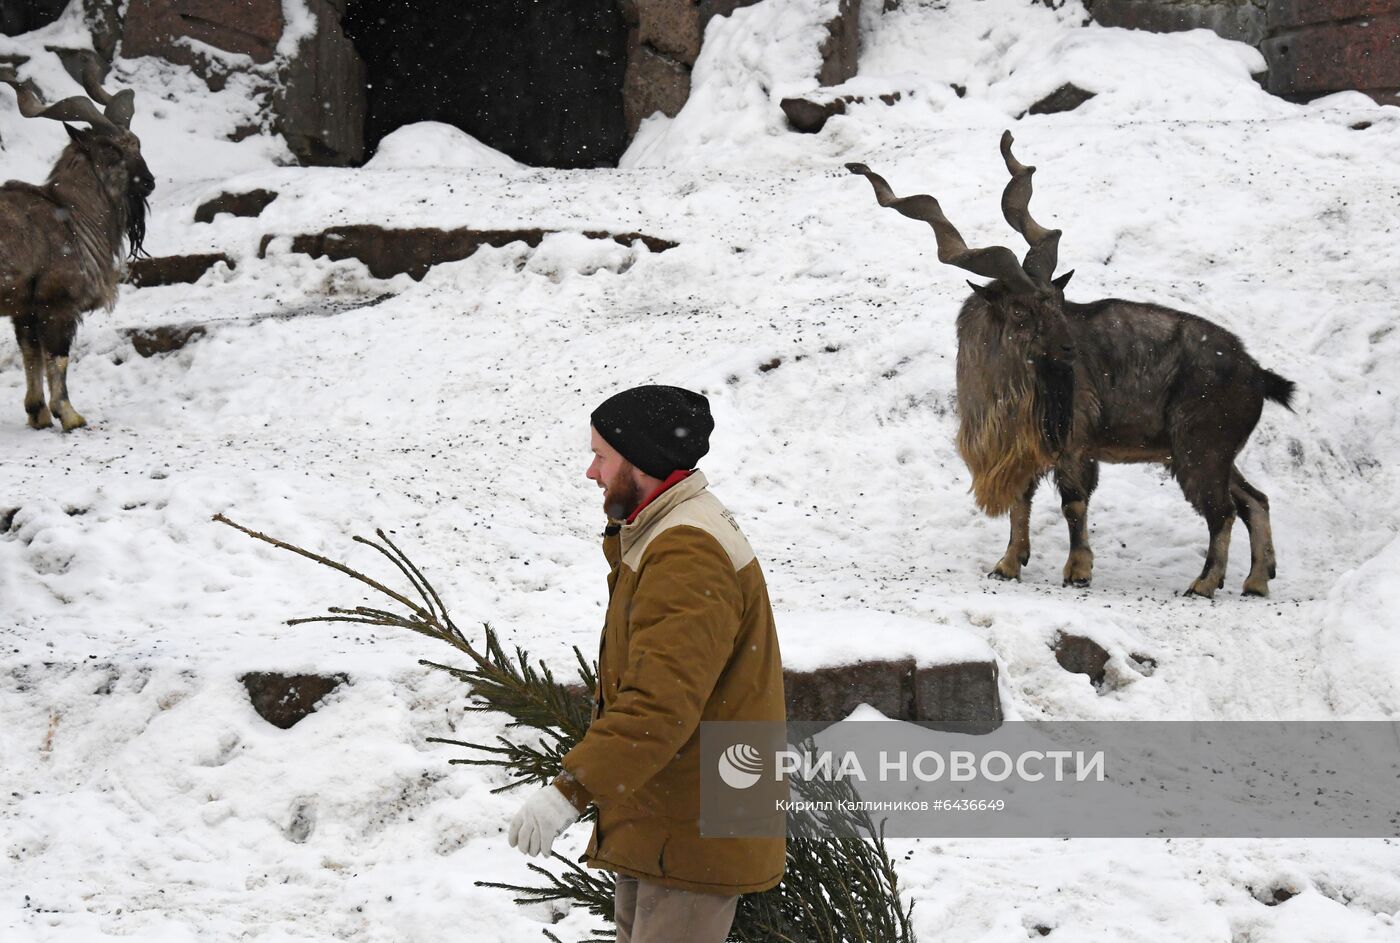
point(141, 796)
point(434, 144)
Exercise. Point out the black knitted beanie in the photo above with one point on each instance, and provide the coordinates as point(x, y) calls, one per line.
point(659, 429)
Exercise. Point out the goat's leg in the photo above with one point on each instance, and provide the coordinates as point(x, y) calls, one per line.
point(1077, 478)
point(1207, 487)
point(32, 352)
point(57, 332)
point(1018, 548)
point(1252, 505)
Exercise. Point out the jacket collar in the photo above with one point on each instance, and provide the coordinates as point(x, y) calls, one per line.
point(693, 485)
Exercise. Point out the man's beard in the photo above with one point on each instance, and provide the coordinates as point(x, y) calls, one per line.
point(622, 498)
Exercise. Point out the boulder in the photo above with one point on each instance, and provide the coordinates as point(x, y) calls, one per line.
point(809, 115)
point(251, 203)
point(286, 700)
point(1082, 656)
point(149, 341)
point(1065, 98)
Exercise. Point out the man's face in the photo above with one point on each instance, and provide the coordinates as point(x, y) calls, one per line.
point(619, 479)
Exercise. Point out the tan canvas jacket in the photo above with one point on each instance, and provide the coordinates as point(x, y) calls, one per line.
point(689, 637)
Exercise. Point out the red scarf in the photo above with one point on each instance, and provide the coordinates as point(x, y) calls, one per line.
point(676, 477)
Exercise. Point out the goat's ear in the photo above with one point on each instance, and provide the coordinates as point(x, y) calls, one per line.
point(981, 291)
point(79, 137)
point(1063, 280)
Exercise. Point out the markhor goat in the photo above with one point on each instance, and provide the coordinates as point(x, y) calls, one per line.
point(1049, 385)
point(61, 243)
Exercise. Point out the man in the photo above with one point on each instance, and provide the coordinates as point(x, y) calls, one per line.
point(688, 637)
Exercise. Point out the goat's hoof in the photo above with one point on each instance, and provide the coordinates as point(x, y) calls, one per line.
point(998, 574)
point(1199, 589)
point(40, 420)
point(1080, 583)
point(1255, 589)
point(73, 421)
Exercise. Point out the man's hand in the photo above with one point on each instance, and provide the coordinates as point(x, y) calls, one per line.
point(540, 820)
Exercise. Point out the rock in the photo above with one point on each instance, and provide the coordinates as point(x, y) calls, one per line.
point(173, 269)
point(841, 49)
point(1288, 13)
point(7, 518)
point(830, 694)
point(1082, 656)
point(676, 28)
point(286, 700)
point(809, 115)
point(1242, 21)
point(322, 104)
point(390, 252)
point(1309, 59)
point(653, 83)
point(155, 27)
point(1065, 98)
point(670, 27)
point(150, 341)
point(960, 697)
point(251, 203)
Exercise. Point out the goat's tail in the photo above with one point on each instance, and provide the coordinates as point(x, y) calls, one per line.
point(1279, 389)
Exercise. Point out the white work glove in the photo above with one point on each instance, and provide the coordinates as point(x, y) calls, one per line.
point(540, 820)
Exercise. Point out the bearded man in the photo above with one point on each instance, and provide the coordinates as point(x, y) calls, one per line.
point(688, 638)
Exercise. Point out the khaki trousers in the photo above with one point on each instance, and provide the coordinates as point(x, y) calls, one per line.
point(650, 913)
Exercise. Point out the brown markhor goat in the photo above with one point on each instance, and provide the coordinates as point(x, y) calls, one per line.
point(1048, 385)
point(61, 243)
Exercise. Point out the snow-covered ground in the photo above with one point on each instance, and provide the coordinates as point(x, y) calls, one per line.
point(141, 797)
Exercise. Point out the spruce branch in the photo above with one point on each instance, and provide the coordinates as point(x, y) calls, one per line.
point(840, 884)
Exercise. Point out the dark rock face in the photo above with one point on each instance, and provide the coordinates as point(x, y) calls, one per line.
point(21, 16)
point(390, 252)
point(654, 82)
point(841, 49)
point(249, 27)
point(540, 81)
point(251, 203)
point(323, 101)
point(1082, 656)
point(1241, 19)
point(286, 700)
point(1316, 47)
point(173, 269)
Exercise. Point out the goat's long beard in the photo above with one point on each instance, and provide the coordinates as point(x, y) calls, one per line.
point(1000, 438)
point(135, 223)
